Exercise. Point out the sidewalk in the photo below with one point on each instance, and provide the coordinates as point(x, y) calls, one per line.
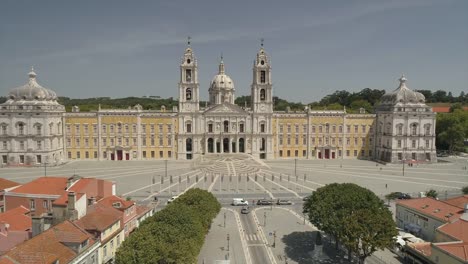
point(215, 247)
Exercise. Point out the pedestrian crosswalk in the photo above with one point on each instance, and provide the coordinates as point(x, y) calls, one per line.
point(252, 237)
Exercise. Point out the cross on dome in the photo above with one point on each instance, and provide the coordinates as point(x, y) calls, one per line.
point(221, 65)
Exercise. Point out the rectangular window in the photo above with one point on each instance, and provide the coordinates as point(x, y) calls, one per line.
point(152, 141)
point(21, 145)
point(313, 141)
point(363, 128)
point(296, 153)
point(95, 142)
point(304, 129)
point(95, 155)
point(134, 141)
point(304, 153)
point(313, 129)
point(39, 159)
point(189, 128)
point(347, 153)
point(104, 128)
point(112, 142)
point(340, 141)
point(144, 154)
point(127, 141)
point(348, 128)
point(104, 142)
point(262, 76)
point(152, 154)
point(400, 156)
point(143, 141)
point(297, 128)
point(32, 205)
point(134, 128)
point(281, 140)
point(340, 129)
point(86, 128)
point(77, 129)
point(210, 128)
point(327, 129)
point(296, 140)
point(304, 140)
point(241, 128)
point(333, 141)
point(339, 153)
point(161, 142)
point(169, 128)
point(188, 75)
point(362, 153)
point(161, 154)
point(169, 154)
point(413, 143)
point(363, 141)
point(399, 143)
point(111, 128)
point(68, 129)
point(355, 141)
point(86, 155)
point(77, 142)
point(320, 129)
point(152, 129)
point(289, 153)
point(69, 155)
point(320, 141)
point(39, 144)
point(289, 140)
point(78, 155)
point(355, 128)
point(262, 128)
point(281, 128)
point(289, 128)
point(169, 140)
point(281, 153)
point(427, 143)
point(86, 142)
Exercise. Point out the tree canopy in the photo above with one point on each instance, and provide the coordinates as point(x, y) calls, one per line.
point(451, 130)
point(174, 234)
point(354, 215)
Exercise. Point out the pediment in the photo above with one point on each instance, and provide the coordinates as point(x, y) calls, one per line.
point(225, 108)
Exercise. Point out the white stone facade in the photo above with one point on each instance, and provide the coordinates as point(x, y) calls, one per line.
point(31, 126)
point(224, 127)
point(405, 127)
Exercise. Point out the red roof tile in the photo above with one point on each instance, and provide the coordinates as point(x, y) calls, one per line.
point(113, 200)
point(458, 229)
point(459, 201)
point(5, 184)
point(93, 187)
point(99, 218)
point(17, 219)
point(44, 185)
point(434, 208)
point(459, 250)
point(48, 246)
point(141, 210)
point(423, 248)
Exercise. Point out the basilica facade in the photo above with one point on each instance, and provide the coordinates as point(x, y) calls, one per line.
point(35, 129)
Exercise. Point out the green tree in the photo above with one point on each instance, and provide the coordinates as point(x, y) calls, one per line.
point(356, 105)
point(432, 193)
point(451, 130)
point(465, 190)
point(355, 216)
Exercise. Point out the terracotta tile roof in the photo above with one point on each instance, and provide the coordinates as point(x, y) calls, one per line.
point(10, 239)
point(458, 229)
point(113, 200)
point(434, 208)
point(423, 248)
point(99, 218)
point(17, 218)
point(459, 250)
point(459, 201)
point(141, 210)
point(44, 185)
point(48, 246)
point(445, 109)
point(5, 184)
point(93, 187)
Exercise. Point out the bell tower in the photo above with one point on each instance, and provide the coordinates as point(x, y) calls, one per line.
point(189, 95)
point(262, 87)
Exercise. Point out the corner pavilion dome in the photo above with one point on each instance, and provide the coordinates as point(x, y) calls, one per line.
point(403, 95)
point(221, 81)
point(32, 91)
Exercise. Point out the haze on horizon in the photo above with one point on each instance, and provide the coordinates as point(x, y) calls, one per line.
point(86, 49)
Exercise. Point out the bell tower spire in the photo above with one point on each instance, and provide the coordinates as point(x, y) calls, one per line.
point(262, 87)
point(189, 95)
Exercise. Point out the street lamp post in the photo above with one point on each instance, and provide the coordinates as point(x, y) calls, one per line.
point(227, 242)
point(224, 219)
point(264, 219)
point(295, 167)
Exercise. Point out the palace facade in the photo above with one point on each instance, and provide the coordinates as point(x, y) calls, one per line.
point(35, 129)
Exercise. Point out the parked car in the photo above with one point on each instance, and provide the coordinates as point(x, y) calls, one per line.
point(402, 196)
point(245, 210)
point(306, 198)
point(283, 202)
point(264, 202)
point(172, 199)
point(239, 201)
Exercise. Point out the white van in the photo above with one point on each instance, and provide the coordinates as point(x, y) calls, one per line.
point(239, 201)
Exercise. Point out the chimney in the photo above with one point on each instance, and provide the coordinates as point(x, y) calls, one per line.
point(92, 200)
point(37, 225)
point(4, 228)
point(465, 211)
point(71, 200)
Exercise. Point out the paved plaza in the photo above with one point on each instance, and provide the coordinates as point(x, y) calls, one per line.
point(252, 235)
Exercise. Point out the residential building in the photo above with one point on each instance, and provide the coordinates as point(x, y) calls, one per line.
point(5, 185)
point(15, 228)
point(105, 224)
point(423, 216)
point(64, 243)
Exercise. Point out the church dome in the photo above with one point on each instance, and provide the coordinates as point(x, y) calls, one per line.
point(32, 91)
point(403, 95)
point(221, 81)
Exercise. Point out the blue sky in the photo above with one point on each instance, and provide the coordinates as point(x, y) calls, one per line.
point(133, 48)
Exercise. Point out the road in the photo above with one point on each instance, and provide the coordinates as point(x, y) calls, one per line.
point(256, 245)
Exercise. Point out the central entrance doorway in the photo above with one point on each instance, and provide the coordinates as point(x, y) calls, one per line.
point(226, 145)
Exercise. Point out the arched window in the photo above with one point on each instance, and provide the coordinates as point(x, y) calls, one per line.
point(188, 94)
point(51, 128)
point(3, 129)
point(188, 144)
point(262, 95)
point(21, 129)
point(38, 129)
point(400, 129)
point(414, 129)
point(427, 129)
point(226, 126)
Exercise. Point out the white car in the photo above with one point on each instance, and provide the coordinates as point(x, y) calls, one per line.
point(172, 199)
